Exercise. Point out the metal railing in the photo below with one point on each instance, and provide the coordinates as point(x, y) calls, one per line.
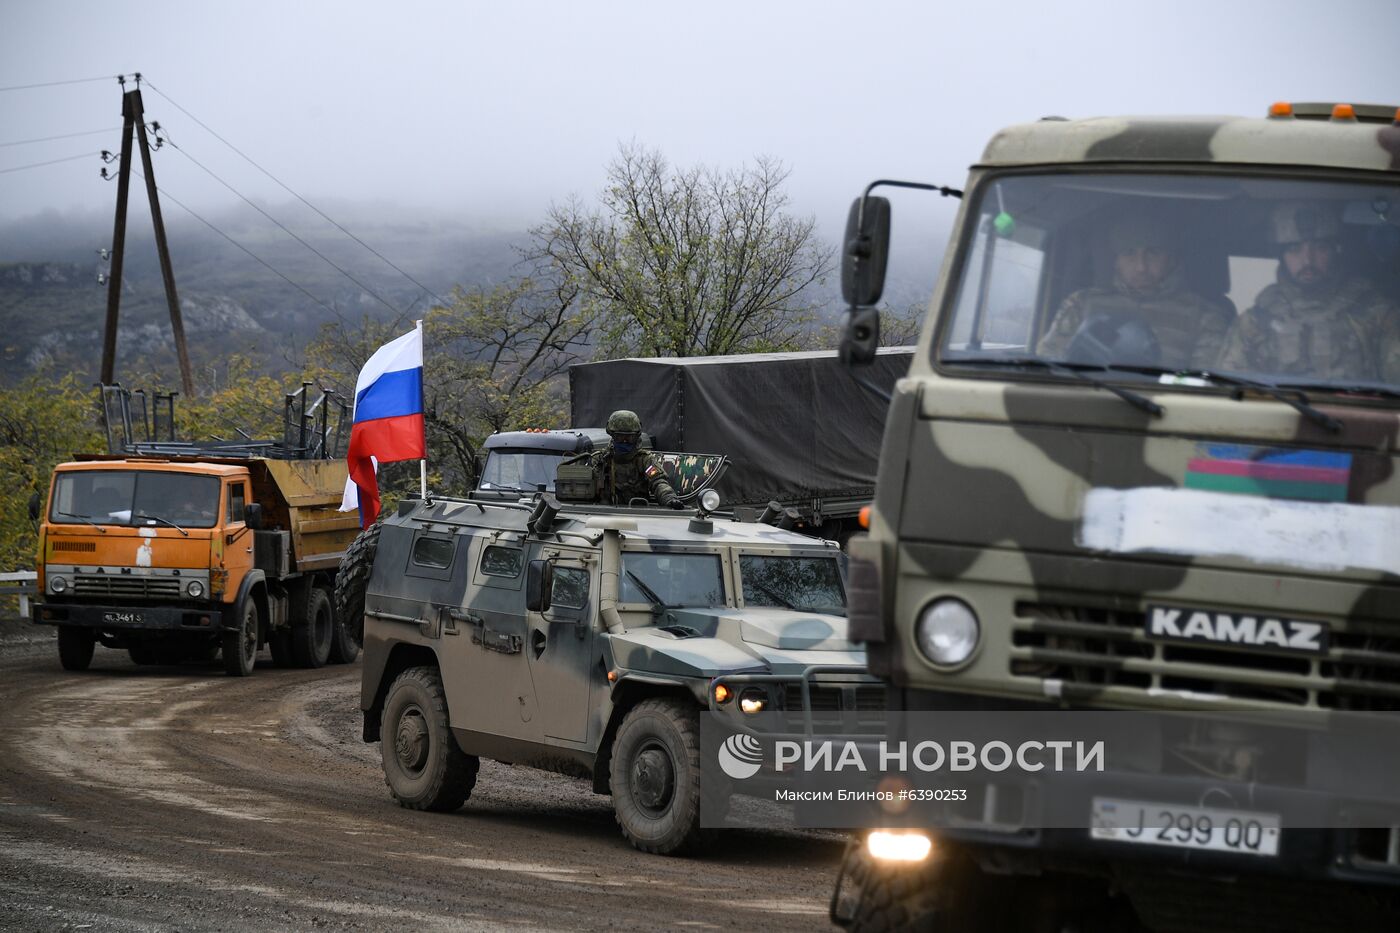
point(21, 585)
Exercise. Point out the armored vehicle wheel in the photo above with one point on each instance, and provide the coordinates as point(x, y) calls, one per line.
point(351, 580)
point(312, 634)
point(656, 777)
point(75, 648)
point(344, 649)
point(241, 645)
point(423, 765)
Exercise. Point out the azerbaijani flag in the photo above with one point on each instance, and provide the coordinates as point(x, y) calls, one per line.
point(1279, 473)
point(388, 421)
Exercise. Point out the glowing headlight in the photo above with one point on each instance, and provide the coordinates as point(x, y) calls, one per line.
point(947, 632)
point(709, 500)
point(195, 589)
point(58, 584)
point(753, 701)
point(898, 847)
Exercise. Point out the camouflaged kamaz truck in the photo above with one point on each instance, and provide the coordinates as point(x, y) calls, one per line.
point(587, 640)
point(1145, 459)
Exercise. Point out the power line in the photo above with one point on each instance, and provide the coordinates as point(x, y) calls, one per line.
point(245, 249)
point(20, 168)
point(27, 87)
point(49, 139)
point(284, 229)
point(322, 214)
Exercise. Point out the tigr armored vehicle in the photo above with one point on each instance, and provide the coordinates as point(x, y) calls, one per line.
point(585, 640)
point(1145, 459)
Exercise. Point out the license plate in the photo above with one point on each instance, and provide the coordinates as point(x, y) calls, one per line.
point(123, 618)
point(1181, 827)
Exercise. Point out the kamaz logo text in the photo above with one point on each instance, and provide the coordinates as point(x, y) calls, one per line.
point(1229, 629)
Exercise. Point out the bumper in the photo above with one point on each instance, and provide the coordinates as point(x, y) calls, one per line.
point(183, 618)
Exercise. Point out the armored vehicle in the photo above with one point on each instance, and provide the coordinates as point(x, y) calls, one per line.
point(586, 640)
point(174, 551)
point(1145, 459)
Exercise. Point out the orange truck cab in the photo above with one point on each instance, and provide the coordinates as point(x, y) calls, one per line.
point(180, 558)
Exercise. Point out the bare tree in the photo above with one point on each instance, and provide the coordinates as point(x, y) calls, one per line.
point(688, 262)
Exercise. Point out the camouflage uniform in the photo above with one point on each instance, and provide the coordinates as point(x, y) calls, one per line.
point(1188, 328)
point(638, 477)
point(1332, 333)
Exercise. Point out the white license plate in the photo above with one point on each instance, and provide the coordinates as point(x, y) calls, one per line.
point(1181, 827)
point(123, 618)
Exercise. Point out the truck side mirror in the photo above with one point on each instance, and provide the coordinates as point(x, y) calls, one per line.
point(539, 585)
point(34, 507)
point(253, 516)
point(866, 251)
point(860, 336)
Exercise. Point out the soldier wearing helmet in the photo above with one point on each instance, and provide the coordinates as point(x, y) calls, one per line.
point(623, 471)
point(1313, 321)
point(1149, 293)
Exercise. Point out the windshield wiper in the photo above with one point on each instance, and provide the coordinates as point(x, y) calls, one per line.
point(657, 606)
point(1292, 397)
point(1074, 371)
point(163, 521)
point(81, 518)
point(772, 595)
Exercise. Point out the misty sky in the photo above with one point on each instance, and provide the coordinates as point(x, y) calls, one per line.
point(488, 111)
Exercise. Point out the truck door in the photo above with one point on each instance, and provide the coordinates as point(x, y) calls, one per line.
point(560, 646)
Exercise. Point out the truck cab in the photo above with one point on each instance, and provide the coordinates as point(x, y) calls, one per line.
point(1103, 491)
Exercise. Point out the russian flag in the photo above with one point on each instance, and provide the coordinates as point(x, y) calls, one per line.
point(388, 420)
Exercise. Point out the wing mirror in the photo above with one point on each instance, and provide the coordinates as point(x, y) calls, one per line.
point(34, 507)
point(253, 516)
point(866, 252)
point(539, 585)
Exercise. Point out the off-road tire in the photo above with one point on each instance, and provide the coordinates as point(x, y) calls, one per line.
point(352, 579)
point(344, 649)
point(240, 646)
point(75, 647)
point(890, 898)
point(312, 633)
point(423, 765)
point(655, 777)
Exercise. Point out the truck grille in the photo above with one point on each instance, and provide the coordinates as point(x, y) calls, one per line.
point(1082, 653)
point(102, 584)
point(866, 700)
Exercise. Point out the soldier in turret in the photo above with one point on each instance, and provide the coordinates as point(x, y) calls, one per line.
point(623, 471)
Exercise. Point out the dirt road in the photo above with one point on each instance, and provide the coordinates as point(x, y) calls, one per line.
point(179, 798)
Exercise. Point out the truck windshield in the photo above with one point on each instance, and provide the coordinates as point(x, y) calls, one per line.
point(809, 584)
point(1286, 282)
point(131, 497)
point(518, 470)
point(673, 579)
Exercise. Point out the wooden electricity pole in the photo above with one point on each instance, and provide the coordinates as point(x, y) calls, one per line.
point(134, 122)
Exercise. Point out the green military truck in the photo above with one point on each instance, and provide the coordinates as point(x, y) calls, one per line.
point(1144, 459)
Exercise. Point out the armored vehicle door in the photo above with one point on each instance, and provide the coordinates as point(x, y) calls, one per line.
point(560, 644)
point(483, 643)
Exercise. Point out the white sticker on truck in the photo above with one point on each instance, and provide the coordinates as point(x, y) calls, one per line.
point(1330, 536)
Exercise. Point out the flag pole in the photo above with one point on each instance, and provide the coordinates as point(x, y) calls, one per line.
point(423, 464)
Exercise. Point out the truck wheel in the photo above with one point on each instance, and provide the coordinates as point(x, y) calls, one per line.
point(312, 633)
point(75, 648)
point(656, 777)
point(241, 645)
point(423, 765)
point(344, 649)
point(352, 579)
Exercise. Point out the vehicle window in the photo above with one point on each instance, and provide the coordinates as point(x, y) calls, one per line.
point(672, 579)
point(520, 471)
point(434, 552)
point(130, 497)
point(811, 584)
point(502, 561)
point(1285, 281)
point(570, 588)
point(235, 502)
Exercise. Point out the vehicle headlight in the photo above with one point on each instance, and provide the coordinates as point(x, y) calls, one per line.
point(58, 584)
point(709, 500)
point(947, 632)
point(912, 846)
point(753, 701)
point(195, 589)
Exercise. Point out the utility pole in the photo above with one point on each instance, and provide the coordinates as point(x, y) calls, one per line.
point(133, 119)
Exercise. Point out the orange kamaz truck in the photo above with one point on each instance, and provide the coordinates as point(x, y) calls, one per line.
point(177, 552)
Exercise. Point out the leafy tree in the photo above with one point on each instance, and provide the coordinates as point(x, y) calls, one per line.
point(686, 262)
